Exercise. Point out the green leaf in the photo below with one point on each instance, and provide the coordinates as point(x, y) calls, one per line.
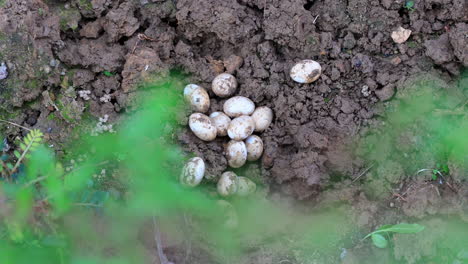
point(9, 166)
point(379, 241)
point(409, 4)
point(29, 137)
point(383, 227)
point(22, 146)
point(17, 154)
point(445, 169)
point(108, 73)
point(403, 228)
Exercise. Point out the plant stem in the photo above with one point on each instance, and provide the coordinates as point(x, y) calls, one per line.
point(87, 204)
point(38, 179)
point(6, 169)
point(18, 162)
point(14, 124)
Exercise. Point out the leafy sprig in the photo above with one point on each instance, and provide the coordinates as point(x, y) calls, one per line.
point(30, 143)
point(379, 239)
point(32, 140)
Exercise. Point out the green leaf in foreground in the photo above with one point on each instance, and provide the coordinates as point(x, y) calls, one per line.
point(379, 241)
point(403, 228)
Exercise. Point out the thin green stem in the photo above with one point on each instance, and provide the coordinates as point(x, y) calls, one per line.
point(38, 179)
point(87, 204)
point(18, 162)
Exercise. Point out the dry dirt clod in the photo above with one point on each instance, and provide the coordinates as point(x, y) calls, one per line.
point(232, 63)
point(401, 35)
point(217, 65)
point(386, 93)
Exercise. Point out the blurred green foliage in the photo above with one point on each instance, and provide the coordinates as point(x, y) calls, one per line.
point(61, 211)
point(425, 127)
point(378, 236)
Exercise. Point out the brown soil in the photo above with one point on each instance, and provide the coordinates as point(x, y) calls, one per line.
point(106, 47)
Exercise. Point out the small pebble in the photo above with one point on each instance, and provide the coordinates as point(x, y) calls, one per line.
point(47, 69)
point(401, 35)
point(3, 71)
point(365, 90)
point(396, 61)
point(53, 63)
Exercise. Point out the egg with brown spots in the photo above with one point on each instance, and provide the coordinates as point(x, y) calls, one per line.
point(202, 126)
point(254, 145)
point(306, 71)
point(236, 153)
point(227, 184)
point(238, 106)
point(245, 186)
point(224, 85)
point(241, 127)
point(221, 121)
point(193, 172)
point(197, 97)
point(262, 117)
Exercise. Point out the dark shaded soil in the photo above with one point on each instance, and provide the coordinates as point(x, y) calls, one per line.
point(55, 49)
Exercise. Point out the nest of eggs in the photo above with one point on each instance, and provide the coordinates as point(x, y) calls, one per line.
point(239, 120)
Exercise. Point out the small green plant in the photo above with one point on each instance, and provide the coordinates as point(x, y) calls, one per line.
point(85, 4)
point(31, 142)
point(412, 44)
point(108, 73)
point(311, 40)
point(409, 5)
point(379, 239)
point(440, 170)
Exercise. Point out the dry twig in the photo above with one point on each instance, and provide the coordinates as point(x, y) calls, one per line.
point(362, 173)
point(157, 238)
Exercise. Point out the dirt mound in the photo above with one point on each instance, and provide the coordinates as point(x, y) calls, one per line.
point(106, 47)
point(66, 59)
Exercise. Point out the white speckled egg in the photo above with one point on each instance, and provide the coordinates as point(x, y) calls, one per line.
point(227, 184)
point(262, 117)
point(228, 214)
point(238, 105)
point(241, 127)
point(306, 71)
point(254, 145)
point(189, 89)
point(193, 172)
point(197, 97)
point(202, 127)
point(224, 85)
point(236, 153)
point(245, 186)
point(221, 122)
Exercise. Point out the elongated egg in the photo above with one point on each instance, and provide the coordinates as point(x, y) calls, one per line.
point(193, 172)
point(202, 127)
